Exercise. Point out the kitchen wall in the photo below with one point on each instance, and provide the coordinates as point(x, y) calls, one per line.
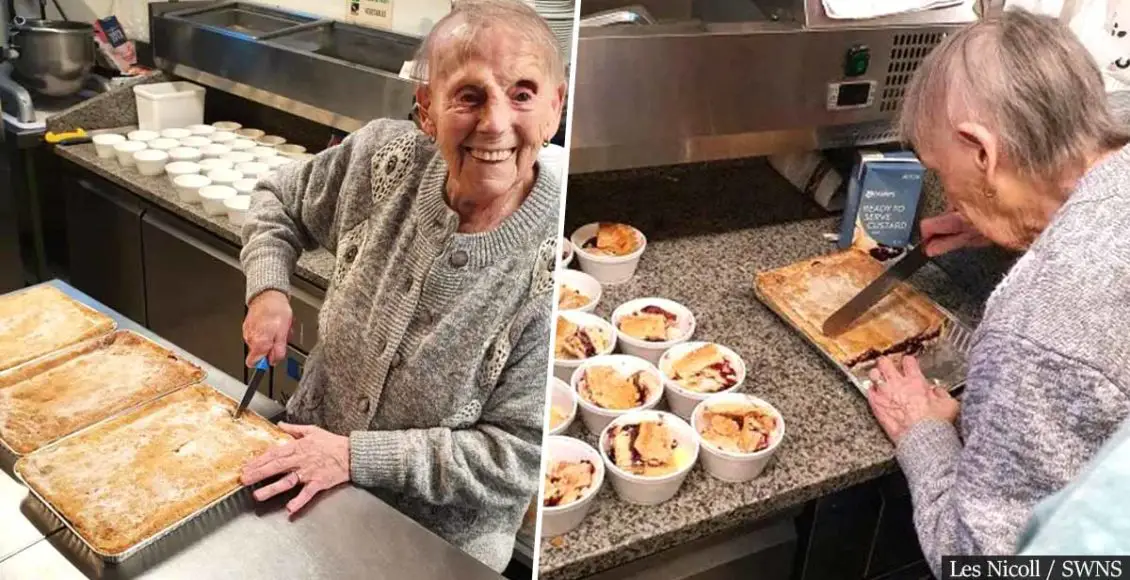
point(408, 16)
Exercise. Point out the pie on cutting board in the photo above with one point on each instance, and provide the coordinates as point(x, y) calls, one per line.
point(808, 292)
point(126, 479)
point(59, 394)
point(41, 320)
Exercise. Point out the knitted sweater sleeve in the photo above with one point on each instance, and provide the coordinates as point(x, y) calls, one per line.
point(1039, 422)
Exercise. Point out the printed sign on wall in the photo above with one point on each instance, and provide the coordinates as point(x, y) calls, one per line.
point(371, 13)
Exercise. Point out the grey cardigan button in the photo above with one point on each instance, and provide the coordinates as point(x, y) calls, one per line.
point(397, 360)
point(350, 253)
point(459, 258)
point(364, 404)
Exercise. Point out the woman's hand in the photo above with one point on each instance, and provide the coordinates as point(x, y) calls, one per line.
point(267, 327)
point(950, 231)
point(317, 459)
point(899, 399)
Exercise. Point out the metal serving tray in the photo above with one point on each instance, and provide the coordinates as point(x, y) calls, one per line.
point(943, 360)
point(4, 444)
point(138, 547)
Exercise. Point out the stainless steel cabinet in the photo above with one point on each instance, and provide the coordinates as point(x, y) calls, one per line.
point(104, 243)
point(194, 291)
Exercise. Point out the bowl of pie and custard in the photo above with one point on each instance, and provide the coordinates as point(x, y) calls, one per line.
point(562, 406)
point(739, 434)
point(579, 336)
point(577, 291)
point(609, 252)
point(612, 385)
point(694, 371)
point(647, 327)
point(574, 473)
point(648, 455)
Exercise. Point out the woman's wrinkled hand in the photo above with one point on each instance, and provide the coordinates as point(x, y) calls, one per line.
point(901, 398)
point(267, 327)
point(317, 460)
point(948, 232)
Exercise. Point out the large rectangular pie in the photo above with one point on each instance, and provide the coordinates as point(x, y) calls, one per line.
point(43, 319)
point(129, 478)
point(808, 292)
point(57, 395)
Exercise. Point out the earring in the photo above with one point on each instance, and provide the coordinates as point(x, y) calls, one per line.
point(990, 193)
point(545, 143)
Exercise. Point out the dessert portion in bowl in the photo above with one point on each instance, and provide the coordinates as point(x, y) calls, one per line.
point(613, 240)
point(573, 341)
point(648, 448)
point(567, 482)
point(652, 323)
point(739, 427)
point(570, 298)
point(706, 369)
point(609, 388)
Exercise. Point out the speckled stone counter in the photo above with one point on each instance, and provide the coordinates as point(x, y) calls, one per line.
point(314, 267)
point(710, 230)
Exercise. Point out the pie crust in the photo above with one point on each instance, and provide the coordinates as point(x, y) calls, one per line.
point(556, 416)
point(607, 388)
point(613, 239)
point(567, 481)
point(704, 370)
point(126, 479)
point(575, 342)
point(57, 395)
point(647, 448)
point(738, 427)
point(807, 292)
point(569, 298)
point(650, 323)
point(43, 319)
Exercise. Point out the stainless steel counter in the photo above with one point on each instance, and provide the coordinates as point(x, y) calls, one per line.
point(344, 533)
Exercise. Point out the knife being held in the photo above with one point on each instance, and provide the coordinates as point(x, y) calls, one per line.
point(902, 269)
point(252, 385)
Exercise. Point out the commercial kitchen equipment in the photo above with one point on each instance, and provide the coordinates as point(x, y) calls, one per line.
point(702, 80)
point(54, 56)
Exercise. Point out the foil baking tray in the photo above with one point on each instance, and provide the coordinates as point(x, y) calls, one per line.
point(944, 360)
point(117, 558)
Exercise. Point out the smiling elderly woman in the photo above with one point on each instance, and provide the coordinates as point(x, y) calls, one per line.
point(1012, 116)
point(428, 383)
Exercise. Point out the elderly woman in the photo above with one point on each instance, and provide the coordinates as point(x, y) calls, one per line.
point(1011, 115)
point(427, 386)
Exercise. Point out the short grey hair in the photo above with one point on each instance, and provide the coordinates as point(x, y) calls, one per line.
point(1025, 77)
point(480, 16)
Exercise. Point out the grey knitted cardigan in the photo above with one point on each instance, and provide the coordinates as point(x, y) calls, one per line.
point(433, 345)
point(1049, 379)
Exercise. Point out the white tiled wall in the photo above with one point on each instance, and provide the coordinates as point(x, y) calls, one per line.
point(408, 16)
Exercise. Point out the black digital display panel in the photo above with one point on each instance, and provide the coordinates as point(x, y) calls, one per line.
point(853, 94)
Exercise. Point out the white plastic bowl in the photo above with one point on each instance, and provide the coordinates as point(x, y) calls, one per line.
point(563, 368)
point(251, 134)
point(682, 400)
point(150, 162)
point(212, 164)
point(252, 169)
point(264, 152)
point(242, 145)
point(163, 144)
point(196, 142)
point(185, 154)
point(239, 157)
point(177, 134)
point(245, 186)
point(125, 150)
point(223, 137)
point(188, 186)
point(595, 417)
point(582, 283)
point(291, 150)
point(729, 466)
point(271, 140)
point(277, 161)
point(143, 136)
point(201, 130)
point(563, 398)
point(215, 150)
point(557, 520)
point(642, 490)
point(237, 207)
point(646, 349)
point(104, 144)
point(228, 126)
point(213, 197)
point(607, 269)
point(178, 168)
point(224, 177)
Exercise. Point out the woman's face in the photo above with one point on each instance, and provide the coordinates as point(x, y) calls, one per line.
point(491, 111)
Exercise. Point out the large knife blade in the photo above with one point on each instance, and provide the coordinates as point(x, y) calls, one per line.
point(843, 318)
point(252, 385)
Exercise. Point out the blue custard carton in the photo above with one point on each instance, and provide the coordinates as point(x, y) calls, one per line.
point(882, 201)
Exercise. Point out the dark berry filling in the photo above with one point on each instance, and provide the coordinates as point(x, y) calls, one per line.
point(884, 253)
point(727, 372)
point(590, 349)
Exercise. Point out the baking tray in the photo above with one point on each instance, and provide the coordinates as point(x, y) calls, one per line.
point(943, 360)
point(138, 547)
point(79, 346)
point(113, 325)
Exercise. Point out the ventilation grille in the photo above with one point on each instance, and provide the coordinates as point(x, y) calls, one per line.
point(859, 135)
point(907, 53)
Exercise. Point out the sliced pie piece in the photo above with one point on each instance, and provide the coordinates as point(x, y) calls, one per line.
point(605, 387)
point(574, 342)
point(613, 239)
point(704, 370)
point(569, 298)
point(738, 427)
point(648, 448)
point(567, 481)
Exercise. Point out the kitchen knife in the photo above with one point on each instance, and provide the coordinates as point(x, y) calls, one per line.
point(843, 318)
point(252, 385)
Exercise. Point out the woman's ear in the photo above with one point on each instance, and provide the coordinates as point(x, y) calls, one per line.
point(423, 110)
point(984, 146)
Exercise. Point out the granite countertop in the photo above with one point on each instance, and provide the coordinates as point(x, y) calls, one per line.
point(708, 236)
point(314, 267)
